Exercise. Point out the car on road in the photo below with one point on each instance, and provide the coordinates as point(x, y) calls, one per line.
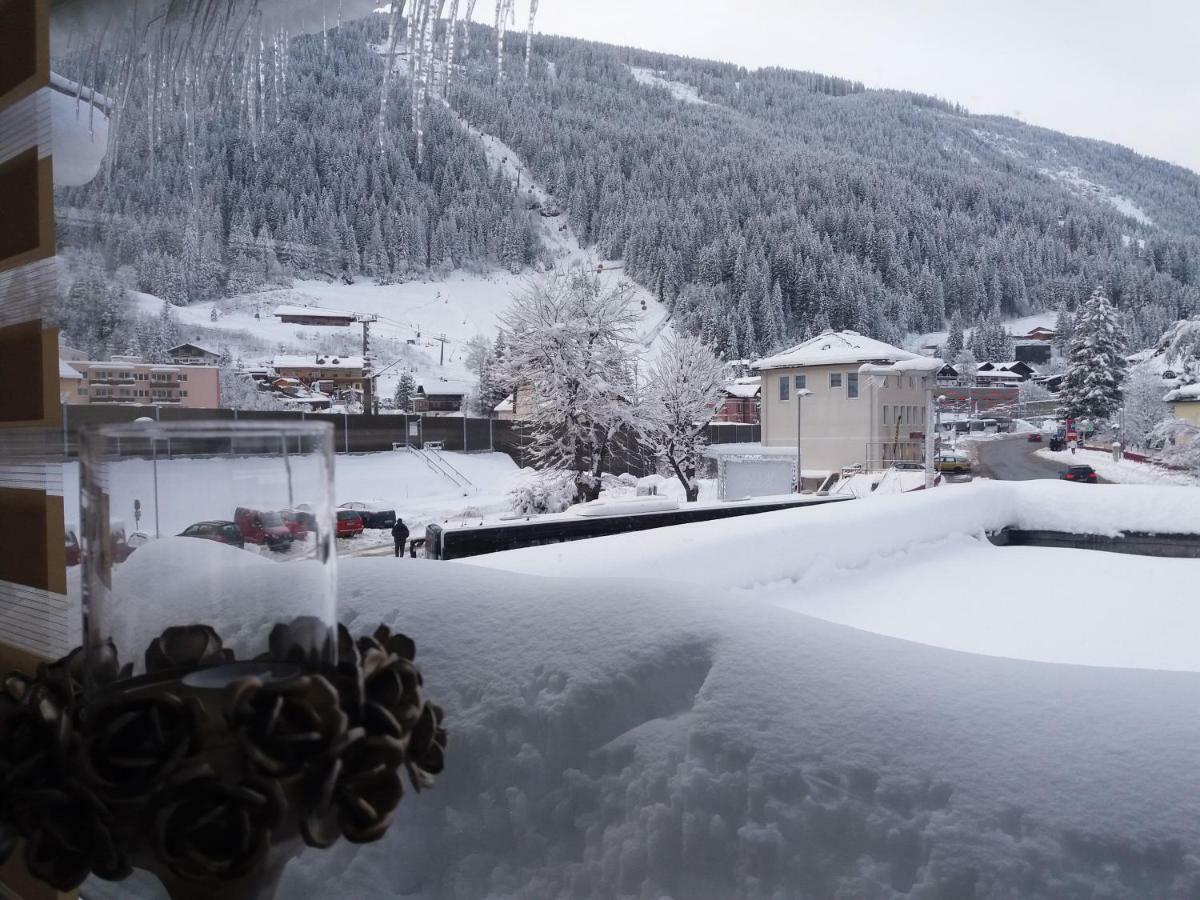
point(1082, 474)
point(219, 530)
point(349, 523)
point(263, 526)
point(950, 463)
point(1035, 437)
point(374, 513)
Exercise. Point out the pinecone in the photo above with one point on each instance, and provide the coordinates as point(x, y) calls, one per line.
point(210, 829)
point(186, 646)
point(303, 641)
point(285, 726)
point(68, 835)
point(35, 733)
point(129, 746)
point(426, 747)
point(356, 795)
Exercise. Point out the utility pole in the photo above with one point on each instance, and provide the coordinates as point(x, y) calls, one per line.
point(801, 393)
point(442, 352)
point(932, 411)
point(368, 385)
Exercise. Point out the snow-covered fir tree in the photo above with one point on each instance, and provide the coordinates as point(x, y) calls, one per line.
point(406, 389)
point(686, 383)
point(484, 363)
point(571, 344)
point(1091, 388)
point(954, 339)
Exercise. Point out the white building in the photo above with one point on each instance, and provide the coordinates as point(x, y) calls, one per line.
point(867, 403)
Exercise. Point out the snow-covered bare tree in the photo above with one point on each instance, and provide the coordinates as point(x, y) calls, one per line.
point(240, 391)
point(1091, 388)
point(504, 12)
point(451, 31)
point(389, 60)
point(571, 345)
point(1144, 407)
point(1183, 349)
point(686, 384)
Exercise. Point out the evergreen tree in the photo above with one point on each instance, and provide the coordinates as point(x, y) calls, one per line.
point(406, 388)
point(1091, 388)
point(954, 341)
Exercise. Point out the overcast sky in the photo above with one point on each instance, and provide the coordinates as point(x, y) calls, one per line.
point(1120, 70)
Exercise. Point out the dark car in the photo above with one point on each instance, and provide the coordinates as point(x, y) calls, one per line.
point(349, 523)
point(263, 526)
point(373, 513)
point(220, 531)
point(1084, 474)
point(1057, 444)
point(1035, 437)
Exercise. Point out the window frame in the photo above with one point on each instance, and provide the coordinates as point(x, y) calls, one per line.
point(835, 380)
point(785, 383)
point(852, 391)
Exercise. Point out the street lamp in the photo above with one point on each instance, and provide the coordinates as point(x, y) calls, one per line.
point(146, 420)
point(801, 393)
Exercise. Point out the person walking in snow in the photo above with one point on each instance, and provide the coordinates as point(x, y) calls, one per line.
point(400, 536)
point(1073, 445)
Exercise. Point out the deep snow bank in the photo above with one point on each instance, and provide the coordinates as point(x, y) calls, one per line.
point(790, 544)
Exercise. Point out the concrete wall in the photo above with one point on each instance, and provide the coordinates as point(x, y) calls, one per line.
point(1188, 410)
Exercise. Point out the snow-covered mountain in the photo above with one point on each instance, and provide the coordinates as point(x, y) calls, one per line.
point(751, 207)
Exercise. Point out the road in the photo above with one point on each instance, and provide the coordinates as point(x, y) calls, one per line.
point(1013, 459)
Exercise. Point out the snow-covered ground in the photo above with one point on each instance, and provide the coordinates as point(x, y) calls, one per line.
point(1127, 471)
point(678, 89)
point(1073, 178)
point(641, 730)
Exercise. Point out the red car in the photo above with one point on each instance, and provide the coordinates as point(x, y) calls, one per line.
point(263, 526)
point(349, 523)
point(299, 523)
point(1035, 437)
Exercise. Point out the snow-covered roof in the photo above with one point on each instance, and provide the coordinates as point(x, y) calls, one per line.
point(918, 365)
point(164, 368)
point(65, 371)
point(444, 386)
point(320, 361)
point(999, 375)
point(833, 348)
point(745, 388)
point(312, 312)
point(1189, 393)
point(193, 345)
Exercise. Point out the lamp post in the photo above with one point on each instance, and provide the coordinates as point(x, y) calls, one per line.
point(154, 463)
point(801, 393)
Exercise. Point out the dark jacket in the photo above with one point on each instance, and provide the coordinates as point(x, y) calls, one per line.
point(399, 531)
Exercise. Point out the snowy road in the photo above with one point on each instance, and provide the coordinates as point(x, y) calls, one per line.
point(1014, 459)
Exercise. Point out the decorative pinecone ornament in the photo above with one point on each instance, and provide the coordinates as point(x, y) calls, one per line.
point(284, 726)
point(426, 747)
point(128, 746)
point(303, 641)
point(210, 829)
point(186, 646)
point(65, 677)
point(35, 733)
point(357, 793)
point(68, 834)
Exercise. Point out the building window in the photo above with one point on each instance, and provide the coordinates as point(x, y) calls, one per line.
point(852, 385)
point(912, 383)
point(182, 376)
point(784, 383)
point(885, 414)
point(835, 379)
point(801, 382)
point(183, 393)
point(83, 389)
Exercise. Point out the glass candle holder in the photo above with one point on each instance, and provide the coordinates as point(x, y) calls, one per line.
point(208, 551)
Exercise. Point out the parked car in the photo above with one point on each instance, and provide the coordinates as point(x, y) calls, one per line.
point(223, 532)
point(74, 557)
point(263, 526)
point(953, 463)
point(1035, 437)
point(1084, 474)
point(349, 523)
point(120, 546)
point(374, 513)
point(299, 522)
